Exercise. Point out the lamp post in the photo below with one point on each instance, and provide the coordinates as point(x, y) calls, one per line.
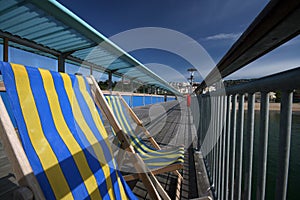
point(192, 71)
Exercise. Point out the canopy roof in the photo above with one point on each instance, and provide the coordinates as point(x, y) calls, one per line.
point(50, 29)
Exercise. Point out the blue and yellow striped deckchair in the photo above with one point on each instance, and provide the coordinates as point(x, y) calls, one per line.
point(63, 137)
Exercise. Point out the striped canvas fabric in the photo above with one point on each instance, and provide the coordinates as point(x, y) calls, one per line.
point(62, 134)
point(153, 158)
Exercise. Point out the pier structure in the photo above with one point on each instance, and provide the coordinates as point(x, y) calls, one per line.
point(217, 130)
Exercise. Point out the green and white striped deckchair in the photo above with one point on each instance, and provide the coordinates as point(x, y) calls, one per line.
point(154, 157)
point(64, 151)
point(157, 160)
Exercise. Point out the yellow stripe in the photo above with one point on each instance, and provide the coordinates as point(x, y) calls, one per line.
point(66, 135)
point(40, 144)
point(100, 126)
point(88, 133)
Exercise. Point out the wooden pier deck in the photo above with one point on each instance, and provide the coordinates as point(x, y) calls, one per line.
point(171, 124)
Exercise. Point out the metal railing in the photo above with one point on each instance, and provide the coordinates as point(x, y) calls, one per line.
point(221, 130)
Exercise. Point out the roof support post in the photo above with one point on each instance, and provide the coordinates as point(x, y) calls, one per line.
point(5, 49)
point(61, 63)
point(110, 81)
point(122, 89)
point(144, 96)
point(61, 60)
point(91, 70)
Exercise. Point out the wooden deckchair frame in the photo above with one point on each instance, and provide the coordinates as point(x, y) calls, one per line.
point(22, 170)
point(125, 144)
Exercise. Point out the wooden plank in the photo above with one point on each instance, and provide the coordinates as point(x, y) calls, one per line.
point(16, 154)
point(2, 87)
point(203, 185)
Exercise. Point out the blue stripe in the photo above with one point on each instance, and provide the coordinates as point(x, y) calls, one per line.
point(65, 158)
point(9, 79)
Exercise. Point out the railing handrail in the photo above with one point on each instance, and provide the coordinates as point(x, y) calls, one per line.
point(287, 80)
point(275, 25)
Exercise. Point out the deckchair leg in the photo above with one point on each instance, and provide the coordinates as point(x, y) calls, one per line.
point(160, 189)
point(178, 188)
point(150, 187)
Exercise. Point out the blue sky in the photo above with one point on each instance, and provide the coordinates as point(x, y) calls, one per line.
point(215, 24)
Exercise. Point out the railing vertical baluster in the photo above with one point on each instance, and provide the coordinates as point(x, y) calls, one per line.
point(212, 144)
point(249, 147)
point(233, 141)
point(228, 122)
point(263, 146)
point(240, 132)
point(217, 145)
point(200, 122)
point(224, 103)
point(284, 144)
point(220, 147)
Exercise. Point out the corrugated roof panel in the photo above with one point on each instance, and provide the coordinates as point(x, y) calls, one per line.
point(73, 47)
point(52, 35)
point(18, 20)
point(39, 30)
point(5, 5)
point(13, 13)
point(26, 24)
point(51, 25)
point(72, 41)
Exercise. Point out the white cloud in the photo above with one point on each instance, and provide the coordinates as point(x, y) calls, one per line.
point(224, 36)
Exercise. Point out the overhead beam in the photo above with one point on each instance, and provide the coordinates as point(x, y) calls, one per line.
point(5, 49)
point(276, 24)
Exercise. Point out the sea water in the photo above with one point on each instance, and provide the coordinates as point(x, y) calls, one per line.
point(273, 154)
